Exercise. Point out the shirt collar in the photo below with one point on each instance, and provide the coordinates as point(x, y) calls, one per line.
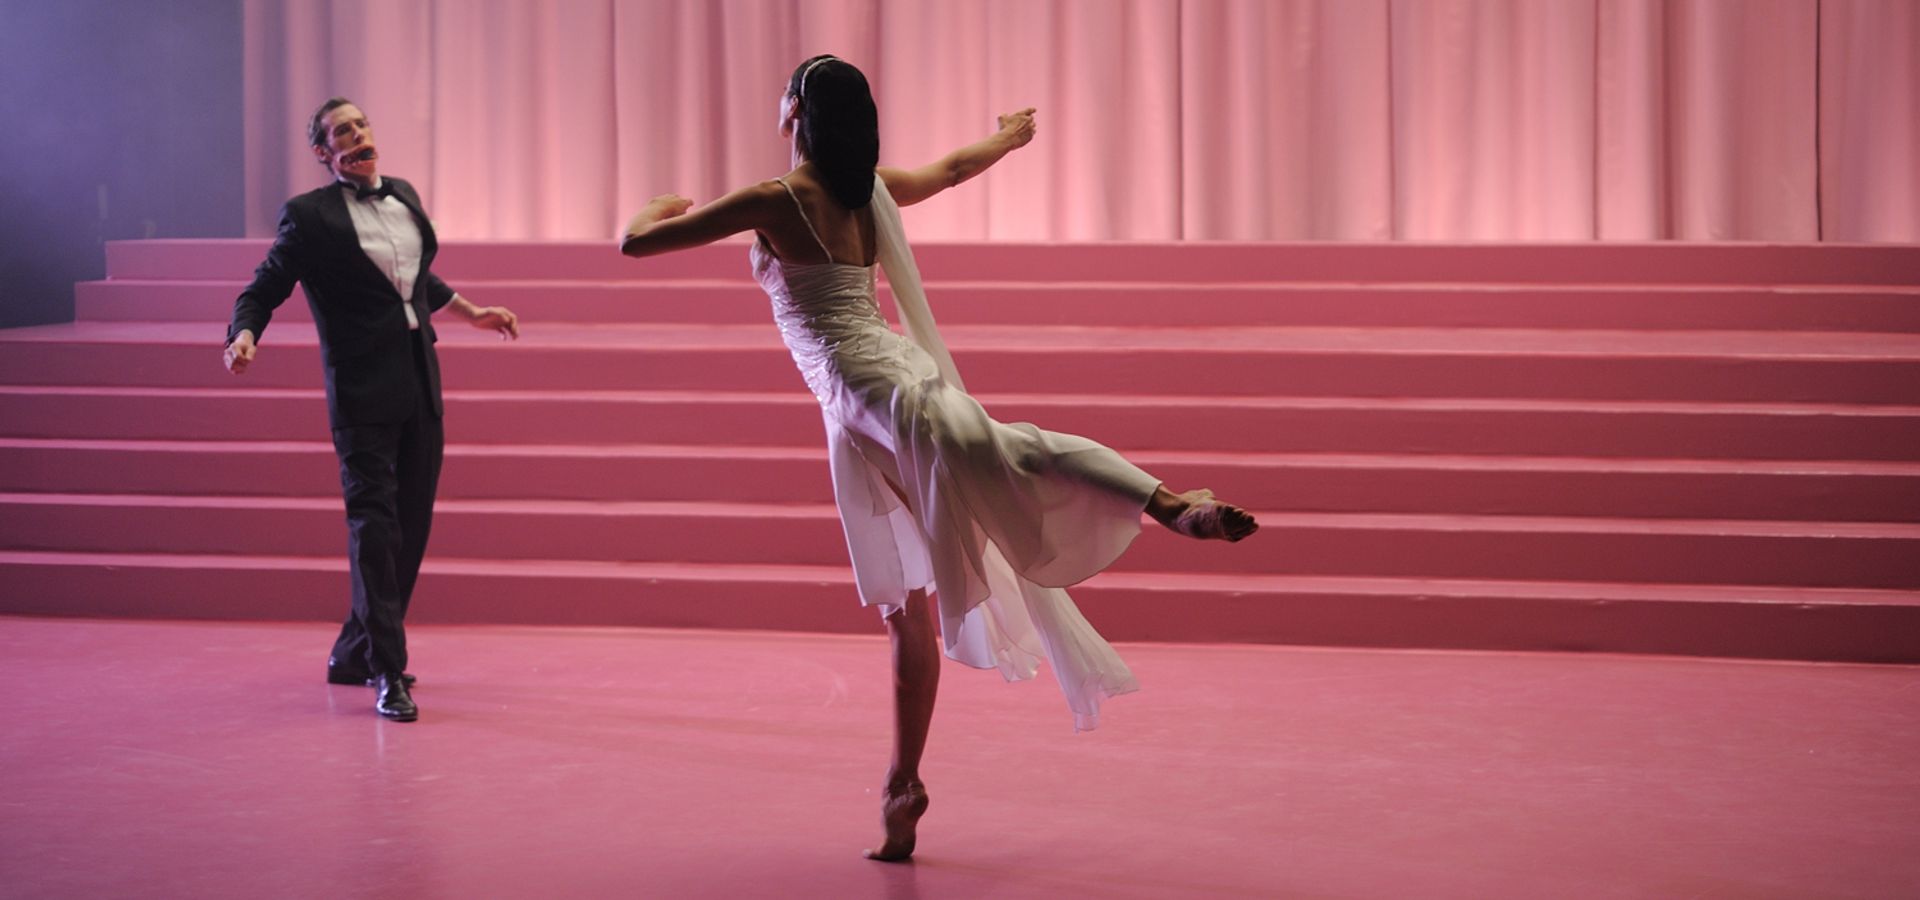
point(353, 188)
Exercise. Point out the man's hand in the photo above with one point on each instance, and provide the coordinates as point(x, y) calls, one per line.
point(492, 318)
point(1017, 127)
point(240, 352)
point(496, 318)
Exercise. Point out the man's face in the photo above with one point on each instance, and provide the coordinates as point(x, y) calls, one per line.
point(349, 150)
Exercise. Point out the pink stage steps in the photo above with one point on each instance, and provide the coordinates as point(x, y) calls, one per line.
point(1699, 449)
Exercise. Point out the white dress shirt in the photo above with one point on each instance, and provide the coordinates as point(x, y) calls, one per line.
point(391, 239)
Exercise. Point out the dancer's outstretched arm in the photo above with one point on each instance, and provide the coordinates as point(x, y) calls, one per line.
point(671, 223)
point(910, 186)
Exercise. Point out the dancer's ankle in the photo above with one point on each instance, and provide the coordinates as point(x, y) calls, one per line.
point(900, 783)
point(1164, 505)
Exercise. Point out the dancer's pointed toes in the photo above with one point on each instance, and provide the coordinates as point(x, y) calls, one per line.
point(900, 813)
point(1239, 523)
point(1210, 519)
point(889, 853)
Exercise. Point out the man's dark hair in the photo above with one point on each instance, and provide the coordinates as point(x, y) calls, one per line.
point(317, 125)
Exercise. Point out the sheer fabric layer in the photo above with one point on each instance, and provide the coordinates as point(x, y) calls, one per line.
point(996, 518)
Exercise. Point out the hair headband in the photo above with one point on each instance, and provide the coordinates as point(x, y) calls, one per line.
point(809, 71)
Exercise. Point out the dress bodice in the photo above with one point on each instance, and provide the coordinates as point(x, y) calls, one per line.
point(827, 315)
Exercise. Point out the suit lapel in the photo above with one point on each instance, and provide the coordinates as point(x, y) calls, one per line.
point(404, 192)
point(339, 222)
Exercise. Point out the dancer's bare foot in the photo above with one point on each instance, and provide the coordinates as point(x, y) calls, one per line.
point(1198, 515)
point(900, 813)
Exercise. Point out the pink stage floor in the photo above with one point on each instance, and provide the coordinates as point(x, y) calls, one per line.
point(210, 760)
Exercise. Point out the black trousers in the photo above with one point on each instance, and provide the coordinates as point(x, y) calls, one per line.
point(388, 474)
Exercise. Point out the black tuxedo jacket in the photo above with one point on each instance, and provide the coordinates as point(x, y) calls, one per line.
point(366, 349)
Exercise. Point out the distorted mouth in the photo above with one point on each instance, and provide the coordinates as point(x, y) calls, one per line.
point(363, 155)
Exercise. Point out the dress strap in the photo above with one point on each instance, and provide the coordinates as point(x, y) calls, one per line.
point(803, 218)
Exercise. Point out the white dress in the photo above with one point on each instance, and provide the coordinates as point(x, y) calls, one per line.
point(995, 518)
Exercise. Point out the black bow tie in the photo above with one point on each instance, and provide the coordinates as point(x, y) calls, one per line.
point(362, 192)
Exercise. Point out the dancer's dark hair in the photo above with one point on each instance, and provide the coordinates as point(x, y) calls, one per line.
point(839, 127)
point(317, 123)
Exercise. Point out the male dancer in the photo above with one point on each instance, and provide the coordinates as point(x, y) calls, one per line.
point(362, 247)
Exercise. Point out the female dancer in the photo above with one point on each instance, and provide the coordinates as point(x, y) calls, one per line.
point(931, 491)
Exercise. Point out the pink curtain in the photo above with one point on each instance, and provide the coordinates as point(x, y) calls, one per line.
point(1492, 118)
point(1869, 140)
point(1779, 120)
point(1287, 127)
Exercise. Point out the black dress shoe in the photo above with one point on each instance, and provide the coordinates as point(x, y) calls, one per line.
point(340, 673)
point(393, 701)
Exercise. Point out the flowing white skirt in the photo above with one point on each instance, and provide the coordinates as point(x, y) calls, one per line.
point(996, 518)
